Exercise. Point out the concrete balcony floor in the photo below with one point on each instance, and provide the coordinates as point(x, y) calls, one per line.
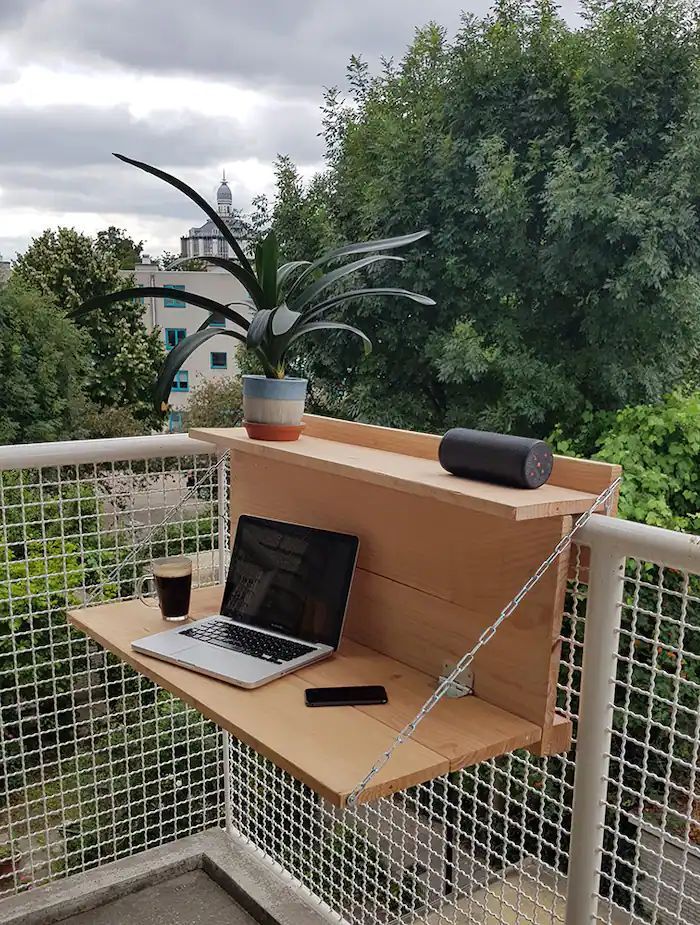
point(199, 880)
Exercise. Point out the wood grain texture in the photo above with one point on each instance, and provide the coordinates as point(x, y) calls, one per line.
point(431, 577)
point(556, 738)
point(411, 475)
point(568, 472)
point(329, 749)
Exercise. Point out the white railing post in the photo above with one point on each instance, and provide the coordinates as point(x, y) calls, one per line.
point(223, 518)
point(596, 707)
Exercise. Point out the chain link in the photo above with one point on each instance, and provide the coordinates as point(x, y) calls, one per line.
point(605, 498)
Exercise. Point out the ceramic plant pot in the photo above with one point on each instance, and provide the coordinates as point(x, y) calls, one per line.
point(273, 401)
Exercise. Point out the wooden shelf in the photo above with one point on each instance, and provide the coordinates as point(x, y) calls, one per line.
point(419, 474)
point(331, 750)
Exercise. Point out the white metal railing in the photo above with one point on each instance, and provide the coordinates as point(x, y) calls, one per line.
point(96, 763)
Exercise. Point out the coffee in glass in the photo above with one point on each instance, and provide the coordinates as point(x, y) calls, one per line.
point(173, 584)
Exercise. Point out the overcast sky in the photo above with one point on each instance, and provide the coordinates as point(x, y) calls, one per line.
point(190, 87)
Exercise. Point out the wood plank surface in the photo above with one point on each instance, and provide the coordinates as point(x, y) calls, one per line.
point(431, 577)
point(568, 472)
point(329, 749)
point(408, 474)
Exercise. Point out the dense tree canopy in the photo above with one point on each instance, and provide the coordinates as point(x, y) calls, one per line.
point(559, 173)
point(43, 366)
point(68, 267)
point(124, 248)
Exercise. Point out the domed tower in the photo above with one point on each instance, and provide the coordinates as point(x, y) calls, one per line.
point(224, 199)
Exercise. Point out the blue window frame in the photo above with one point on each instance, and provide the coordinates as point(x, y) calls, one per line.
point(181, 382)
point(173, 336)
point(168, 301)
point(218, 359)
point(175, 422)
point(217, 321)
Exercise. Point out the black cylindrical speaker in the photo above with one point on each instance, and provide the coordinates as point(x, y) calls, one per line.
point(476, 454)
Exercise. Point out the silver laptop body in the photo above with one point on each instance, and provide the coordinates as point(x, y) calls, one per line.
point(283, 607)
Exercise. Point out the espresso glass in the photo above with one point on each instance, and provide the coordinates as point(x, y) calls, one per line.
point(172, 579)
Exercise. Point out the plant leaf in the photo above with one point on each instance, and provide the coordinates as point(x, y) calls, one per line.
point(310, 293)
point(361, 247)
point(100, 301)
point(330, 326)
point(258, 328)
point(198, 200)
point(360, 293)
point(246, 279)
point(287, 269)
point(267, 273)
point(283, 319)
point(179, 354)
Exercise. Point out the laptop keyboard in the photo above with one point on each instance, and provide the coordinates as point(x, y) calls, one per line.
point(270, 649)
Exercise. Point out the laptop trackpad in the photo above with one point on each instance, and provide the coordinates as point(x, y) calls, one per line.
point(165, 643)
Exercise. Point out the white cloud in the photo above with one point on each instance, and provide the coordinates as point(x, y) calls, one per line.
point(192, 88)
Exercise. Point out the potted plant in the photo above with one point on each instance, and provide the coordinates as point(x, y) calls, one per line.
point(285, 302)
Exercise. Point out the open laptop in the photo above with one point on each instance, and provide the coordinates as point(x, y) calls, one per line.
point(283, 606)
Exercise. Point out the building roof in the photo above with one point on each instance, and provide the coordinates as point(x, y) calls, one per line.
point(223, 194)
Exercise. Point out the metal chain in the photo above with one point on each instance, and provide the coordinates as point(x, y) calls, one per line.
point(152, 532)
point(603, 498)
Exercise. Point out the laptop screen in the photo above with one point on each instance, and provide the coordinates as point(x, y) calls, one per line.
point(289, 578)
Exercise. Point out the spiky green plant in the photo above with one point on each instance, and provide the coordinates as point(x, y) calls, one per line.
point(285, 302)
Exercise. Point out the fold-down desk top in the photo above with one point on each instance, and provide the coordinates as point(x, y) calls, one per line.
point(331, 750)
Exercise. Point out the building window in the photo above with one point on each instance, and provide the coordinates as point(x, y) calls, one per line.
point(169, 302)
point(181, 382)
point(217, 321)
point(208, 246)
point(173, 336)
point(219, 360)
point(175, 422)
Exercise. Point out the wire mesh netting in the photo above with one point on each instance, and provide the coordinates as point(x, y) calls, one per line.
point(490, 844)
point(96, 762)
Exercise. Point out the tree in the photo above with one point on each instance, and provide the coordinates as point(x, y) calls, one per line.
point(42, 357)
point(215, 403)
point(117, 242)
point(558, 170)
point(125, 357)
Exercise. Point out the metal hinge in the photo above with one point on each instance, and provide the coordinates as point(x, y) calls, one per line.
point(462, 685)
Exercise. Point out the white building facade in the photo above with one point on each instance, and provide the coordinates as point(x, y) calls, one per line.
point(176, 319)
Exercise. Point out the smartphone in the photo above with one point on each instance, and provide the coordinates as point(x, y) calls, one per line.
point(345, 696)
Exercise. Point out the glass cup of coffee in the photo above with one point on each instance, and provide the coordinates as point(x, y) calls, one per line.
point(173, 583)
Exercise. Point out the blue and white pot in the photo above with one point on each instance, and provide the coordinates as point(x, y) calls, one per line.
point(273, 401)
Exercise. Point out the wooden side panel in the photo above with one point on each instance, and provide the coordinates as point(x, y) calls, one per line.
point(432, 576)
point(408, 442)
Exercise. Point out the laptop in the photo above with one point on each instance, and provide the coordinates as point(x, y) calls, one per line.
point(283, 607)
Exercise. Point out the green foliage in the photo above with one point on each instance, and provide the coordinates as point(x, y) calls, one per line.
point(658, 447)
point(558, 172)
point(43, 368)
point(66, 267)
point(159, 774)
point(215, 403)
point(125, 250)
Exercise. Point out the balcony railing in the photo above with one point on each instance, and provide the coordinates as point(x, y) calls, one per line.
point(97, 763)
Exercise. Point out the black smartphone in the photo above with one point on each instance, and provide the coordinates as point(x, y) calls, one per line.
point(363, 695)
